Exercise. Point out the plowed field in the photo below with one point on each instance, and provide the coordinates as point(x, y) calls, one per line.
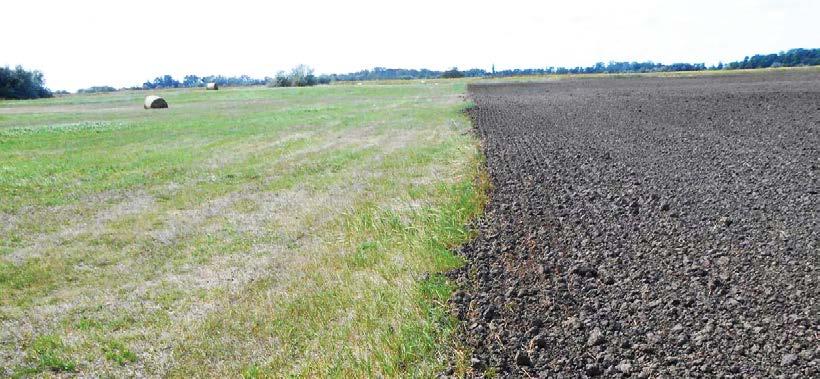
point(647, 227)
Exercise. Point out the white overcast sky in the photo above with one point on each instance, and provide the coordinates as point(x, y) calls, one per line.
point(82, 43)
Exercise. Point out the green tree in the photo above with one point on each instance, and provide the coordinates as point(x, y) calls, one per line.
point(452, 73)
point(21, 84)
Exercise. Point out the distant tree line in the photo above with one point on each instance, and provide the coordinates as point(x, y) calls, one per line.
point(19, 83)
point(791, 58)
point(299, 76)
point(97, 89)
point(452, 73)
point(167, 81)
point(302, 76)
point(382, 73)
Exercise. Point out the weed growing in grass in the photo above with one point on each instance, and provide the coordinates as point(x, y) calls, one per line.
point(117, 352)
point(19, 282)
point(365, 256)
point(252, 372)
point(47, 353)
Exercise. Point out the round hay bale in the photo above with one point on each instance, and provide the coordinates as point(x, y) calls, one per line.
point(211, 86)
point(153, 102)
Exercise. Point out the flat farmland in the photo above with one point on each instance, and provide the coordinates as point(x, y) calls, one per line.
point(251, 232)
point(647, 226)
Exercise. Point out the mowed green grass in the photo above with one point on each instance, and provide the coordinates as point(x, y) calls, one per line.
point(248, 232)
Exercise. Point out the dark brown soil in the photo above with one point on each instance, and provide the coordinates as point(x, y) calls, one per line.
point(647, 227)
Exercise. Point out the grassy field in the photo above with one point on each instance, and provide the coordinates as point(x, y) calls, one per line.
point(245, 232)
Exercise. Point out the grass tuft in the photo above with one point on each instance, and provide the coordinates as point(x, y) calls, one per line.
point(47, 353)
point(116, 351)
